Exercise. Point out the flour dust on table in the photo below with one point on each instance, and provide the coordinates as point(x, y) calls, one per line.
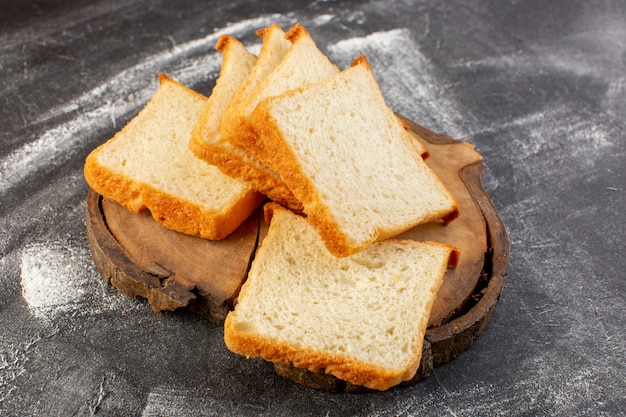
point(53, 286)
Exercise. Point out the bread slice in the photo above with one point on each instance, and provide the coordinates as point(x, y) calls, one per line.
point(207, 142)
point(237, 63)
point(273, 49)
point(302, 65)
point(148, 165)
point(348, 159)
point(361, 318)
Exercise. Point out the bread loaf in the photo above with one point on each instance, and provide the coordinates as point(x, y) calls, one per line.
point(349, 160)
point(148, 165)
point(360, 318)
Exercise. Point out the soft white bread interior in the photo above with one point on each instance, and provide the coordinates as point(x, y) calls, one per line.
point(237, 63)
point(349, 160)
point(302, 65)
point(273, 49)
point(360, 318)
point(148, 165)
point(238, 73)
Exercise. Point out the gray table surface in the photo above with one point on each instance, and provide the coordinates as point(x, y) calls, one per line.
point(539, 87)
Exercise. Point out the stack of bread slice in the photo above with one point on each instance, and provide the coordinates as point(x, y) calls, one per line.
point(330, 288)
point(279, 68)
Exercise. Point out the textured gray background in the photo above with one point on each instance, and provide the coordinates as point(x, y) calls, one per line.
point(539, 87)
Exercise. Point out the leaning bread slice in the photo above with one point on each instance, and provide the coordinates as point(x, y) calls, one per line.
point(361, 318)
point(273, 48)
point(237, 63)
point(148, 165)
point(206, 140)
point(302, 65)
point(348, 159)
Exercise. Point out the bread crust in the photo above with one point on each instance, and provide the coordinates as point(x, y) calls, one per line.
point(223, 43)
point(247, 342)
point(207, 142)
point(260, 178)
point(341, 366)
point(235, 122)
point(270, 147)
point(296, 32)
point(169, 210)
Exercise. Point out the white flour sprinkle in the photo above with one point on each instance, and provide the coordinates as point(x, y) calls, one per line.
point(406, 77)
point(174, 402)
point(322, 19)
point(554, 392)
point(114, 98)
point(58, 280)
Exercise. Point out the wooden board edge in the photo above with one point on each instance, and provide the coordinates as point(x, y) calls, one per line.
point(119, 271)
point(451, 339)
point(426, 134)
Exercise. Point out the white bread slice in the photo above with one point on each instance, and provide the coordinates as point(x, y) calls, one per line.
point(207, 142)
point(302, 65)
point(273, 49)
point(148, 165)
point(237, 63)
point(361, 318)
point(348, 159)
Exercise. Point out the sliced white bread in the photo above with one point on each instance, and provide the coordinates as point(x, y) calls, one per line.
point(273, 49)
point(360, 318)
point(148, 165)
point(304, 64)
point(207, 142)
point(237, 63)
point(349, 160)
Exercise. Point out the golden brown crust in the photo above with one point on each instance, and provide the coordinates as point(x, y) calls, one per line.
point(170, 211)
point(296, 32)
point(361, 60)
point(223, 42)
point(269, 146)
point(235, 166)
point(454, 258)
point(236, 129)
point(340, 366)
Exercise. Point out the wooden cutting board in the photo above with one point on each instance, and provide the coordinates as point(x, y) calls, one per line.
point(141, 258)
